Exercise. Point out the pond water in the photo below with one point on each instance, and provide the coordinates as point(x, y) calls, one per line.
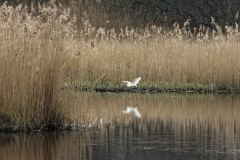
point(171, 126)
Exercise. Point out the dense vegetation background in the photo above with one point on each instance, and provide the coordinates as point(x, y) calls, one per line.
point(48, 49)
point(140, 13)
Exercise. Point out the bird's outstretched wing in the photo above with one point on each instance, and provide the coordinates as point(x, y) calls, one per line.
point(136, 80)
point(128, 110)
point(136, 113)
point(133, 110)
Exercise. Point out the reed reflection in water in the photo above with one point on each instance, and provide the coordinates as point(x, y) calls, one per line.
point(172, 126)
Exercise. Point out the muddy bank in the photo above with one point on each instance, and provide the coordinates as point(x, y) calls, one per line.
point(153, 90)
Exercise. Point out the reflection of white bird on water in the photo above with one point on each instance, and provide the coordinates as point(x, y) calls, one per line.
point(133, 110)
point(133, 83)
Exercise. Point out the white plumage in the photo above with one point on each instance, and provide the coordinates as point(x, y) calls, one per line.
point(133, 110)
point(133, 83)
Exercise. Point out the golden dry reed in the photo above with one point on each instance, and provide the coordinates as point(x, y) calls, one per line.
point(42, 52)
point(32, 66)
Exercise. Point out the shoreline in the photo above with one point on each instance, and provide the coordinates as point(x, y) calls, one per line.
point(139, 90)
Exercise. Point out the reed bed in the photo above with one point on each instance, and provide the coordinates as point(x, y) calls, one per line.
point(32, 70)
point(42, 53)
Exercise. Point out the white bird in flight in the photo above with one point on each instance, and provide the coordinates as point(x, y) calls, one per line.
point(133, 110)
point(133, 83)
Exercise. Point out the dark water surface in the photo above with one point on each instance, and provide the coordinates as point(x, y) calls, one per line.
point(172, 126)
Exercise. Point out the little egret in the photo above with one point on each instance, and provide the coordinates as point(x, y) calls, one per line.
point(133, 83)
point(133, 110)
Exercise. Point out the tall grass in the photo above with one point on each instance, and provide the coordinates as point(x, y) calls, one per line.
point(205, 59)
point(32, 58)
point(41, 54)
